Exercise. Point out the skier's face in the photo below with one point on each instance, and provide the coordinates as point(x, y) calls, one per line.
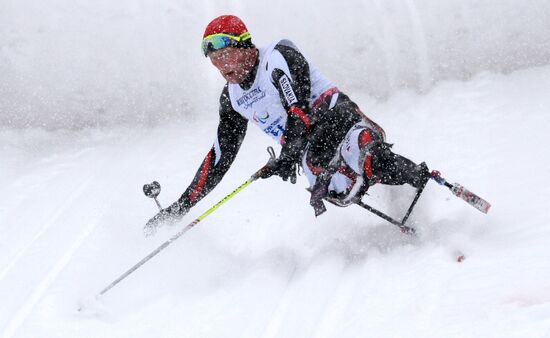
point(234, 63)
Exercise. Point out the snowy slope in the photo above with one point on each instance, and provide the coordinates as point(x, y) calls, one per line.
point(71, 212)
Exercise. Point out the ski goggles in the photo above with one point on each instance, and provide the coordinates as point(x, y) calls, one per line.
point(221, 40)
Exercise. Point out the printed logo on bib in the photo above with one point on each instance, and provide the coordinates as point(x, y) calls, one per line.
point(287, 90)
point(253, 96)
point(276, 128)
point(261, 119)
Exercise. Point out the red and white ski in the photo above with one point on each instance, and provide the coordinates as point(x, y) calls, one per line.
point(463, 193)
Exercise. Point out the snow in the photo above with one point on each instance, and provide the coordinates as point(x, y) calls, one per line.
point(72, 211)
point(79, 63)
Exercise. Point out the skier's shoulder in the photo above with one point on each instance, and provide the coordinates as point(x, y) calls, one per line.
point(281, 44)
point(279, 54)
point(286, 48)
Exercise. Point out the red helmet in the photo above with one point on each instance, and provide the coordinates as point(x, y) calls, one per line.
point(225, 31)
point(228, 24)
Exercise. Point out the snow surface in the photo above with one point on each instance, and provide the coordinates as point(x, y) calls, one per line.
point(72, 211)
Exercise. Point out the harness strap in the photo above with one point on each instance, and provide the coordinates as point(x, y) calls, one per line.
point(323, 97)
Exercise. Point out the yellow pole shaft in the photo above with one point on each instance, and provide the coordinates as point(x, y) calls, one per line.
point(225, 199)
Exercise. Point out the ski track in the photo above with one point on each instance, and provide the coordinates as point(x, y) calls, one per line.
point(92, 174)
point(24, 311)
point(69, 201)
point(337, 305)
point(281, 309)
point(294, 298)
point(38, 292)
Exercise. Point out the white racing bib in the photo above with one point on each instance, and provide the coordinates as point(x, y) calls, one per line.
point(261, 103)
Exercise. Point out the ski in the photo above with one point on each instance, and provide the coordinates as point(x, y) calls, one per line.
point(463, 193)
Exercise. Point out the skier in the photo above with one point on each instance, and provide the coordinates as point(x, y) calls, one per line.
point(342, 151)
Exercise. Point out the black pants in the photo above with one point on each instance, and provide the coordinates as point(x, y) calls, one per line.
point(330, 126)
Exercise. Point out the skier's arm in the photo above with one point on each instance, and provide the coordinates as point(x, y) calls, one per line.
point(231, 132)
point(294, 91)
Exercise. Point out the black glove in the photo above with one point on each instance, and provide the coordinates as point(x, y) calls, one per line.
point(170, 215)
point(283, 166)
